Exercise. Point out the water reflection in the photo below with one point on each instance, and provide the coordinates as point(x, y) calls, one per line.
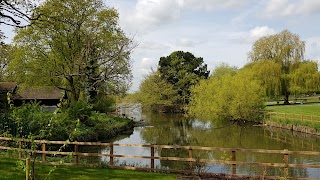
point(179, 130)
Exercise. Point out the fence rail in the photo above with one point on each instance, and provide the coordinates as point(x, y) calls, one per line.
point(290, 116)
point(233, 162)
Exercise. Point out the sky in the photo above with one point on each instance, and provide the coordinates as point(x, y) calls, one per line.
point(220, 31)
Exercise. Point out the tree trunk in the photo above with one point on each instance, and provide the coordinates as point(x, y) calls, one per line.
point(286, 99)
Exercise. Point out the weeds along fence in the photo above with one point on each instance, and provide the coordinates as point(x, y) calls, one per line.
point(189, 156)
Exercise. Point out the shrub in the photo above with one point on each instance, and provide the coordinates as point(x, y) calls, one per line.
point(104, 104)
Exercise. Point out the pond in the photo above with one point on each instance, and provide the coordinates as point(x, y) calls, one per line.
point(164, 129)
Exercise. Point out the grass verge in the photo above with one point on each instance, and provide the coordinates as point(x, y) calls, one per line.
point(295, 112)
point(9, 170)
point(311, 109)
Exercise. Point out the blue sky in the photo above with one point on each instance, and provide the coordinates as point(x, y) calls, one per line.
point(217, 30)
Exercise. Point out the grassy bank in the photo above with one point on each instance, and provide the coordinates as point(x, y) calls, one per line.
point(298, 115)
point(311, 109)
point(9, 170)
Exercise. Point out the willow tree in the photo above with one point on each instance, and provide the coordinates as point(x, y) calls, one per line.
point(305, 79)
point(285, 49)
point(76, 45)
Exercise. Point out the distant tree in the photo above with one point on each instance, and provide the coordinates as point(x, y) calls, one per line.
point(5, 51)
point(183, 70)
point(285, 49)
point(155, 93)
point(77, 46)
point(224, 69)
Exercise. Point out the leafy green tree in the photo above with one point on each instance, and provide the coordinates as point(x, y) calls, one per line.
point(227, 95)
point(285, 49)
point(5, 50)
point(77, 46)
point(155, 93)
point(183, 70)
point(268, 73)
point(305, 79)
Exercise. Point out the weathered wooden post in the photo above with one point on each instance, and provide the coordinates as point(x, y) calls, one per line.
point(20, 148)
point(286, 161)
point(234, 166)
point(152, 157)
point(43, 153)
point(111, 154)
point(76, 156)
point(27, 168)
point(190, 156)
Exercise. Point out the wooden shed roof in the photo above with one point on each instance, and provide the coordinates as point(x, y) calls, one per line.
point(8, 86)
point(39, 93)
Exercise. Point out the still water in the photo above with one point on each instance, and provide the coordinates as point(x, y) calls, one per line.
point(179, 130)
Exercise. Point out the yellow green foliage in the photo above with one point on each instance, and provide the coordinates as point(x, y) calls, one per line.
point(232, 96)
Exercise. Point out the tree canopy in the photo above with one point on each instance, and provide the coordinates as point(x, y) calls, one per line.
point(285, 50)
point(183, 70)
point(77, 46)
point(229, 94)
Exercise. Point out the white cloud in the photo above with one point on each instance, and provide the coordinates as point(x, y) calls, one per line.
point(146, 65)
point(278, 8)
point(247, 37)
point(260, 31)
point(149, 14)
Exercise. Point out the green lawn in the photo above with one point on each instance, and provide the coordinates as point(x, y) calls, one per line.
point(10, 171)
point(311, 109)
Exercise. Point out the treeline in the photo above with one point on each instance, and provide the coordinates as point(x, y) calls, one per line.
point(78, 47)
point(276, 68)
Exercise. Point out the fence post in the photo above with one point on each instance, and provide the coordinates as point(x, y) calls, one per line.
point(43, 153)
point(76, 157)
point(27, 168)
point(152, 157)
point(190, 156)
point(111, 154)
point(286, 161)
point(234, 166)
point(20, 147)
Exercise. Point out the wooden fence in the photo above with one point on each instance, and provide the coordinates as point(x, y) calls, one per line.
point(189, 149)
point(307, 118)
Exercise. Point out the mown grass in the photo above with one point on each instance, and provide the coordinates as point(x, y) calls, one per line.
point(311, 109)
point(9, 170)
point(305, 109)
